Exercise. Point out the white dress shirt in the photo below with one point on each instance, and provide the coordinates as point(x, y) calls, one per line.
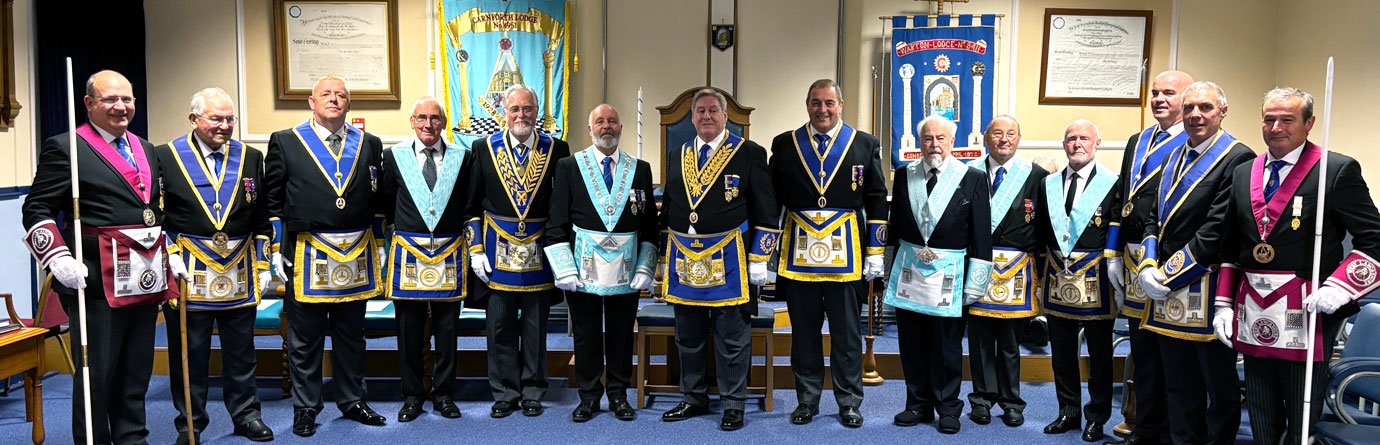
point(1083, 175)
point(713, 145)
point(322, 133)
point(1290, 159)
point(207, 160)
point(418, 150)
point(992, 167)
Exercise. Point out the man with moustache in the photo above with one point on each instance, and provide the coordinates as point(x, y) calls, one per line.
point(322, 180)
point(602, 248)
point(218, 229)
point(1141, 169)
point(943, 262)
point(714, 249)
point(1077, 216)
point(834, 234)
point(1261, 230)
point(995, 321)
point(427, 263)
point(510, 192)
point(123, 255)
point(1180, 289)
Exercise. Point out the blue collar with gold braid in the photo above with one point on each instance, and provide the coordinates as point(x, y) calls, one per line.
point(521, 180)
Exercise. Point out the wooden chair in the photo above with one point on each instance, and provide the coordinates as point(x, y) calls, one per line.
point(677, 128)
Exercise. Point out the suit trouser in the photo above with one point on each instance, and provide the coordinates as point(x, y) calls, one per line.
point(413, 342)
point(603, 328)
point(1202, 392)
point(994, 358)
point(1274, 392)
point(932, 359)
point(237, 363)
point(1063, 339)
point(1148, 373)
point(306, 340)
point(120, 345)
point(516, 324)
point(732, 332)
point(808, 303)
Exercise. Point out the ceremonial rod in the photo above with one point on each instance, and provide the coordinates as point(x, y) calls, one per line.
point(76, 248)
point(186, 373)
point(1317, 257)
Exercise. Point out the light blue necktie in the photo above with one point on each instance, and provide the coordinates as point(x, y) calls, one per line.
point(823, 140)
point(125, 153)
point(608, 173)
point(704, 154)
point(1001, 174)
point(1273, 186)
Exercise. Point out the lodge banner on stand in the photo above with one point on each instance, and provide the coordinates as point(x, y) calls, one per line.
point(944, 68)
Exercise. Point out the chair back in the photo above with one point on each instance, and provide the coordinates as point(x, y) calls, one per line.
point(677, 126)
point(1367, 324)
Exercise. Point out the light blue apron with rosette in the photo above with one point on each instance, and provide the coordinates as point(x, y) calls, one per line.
point(924, 279)
point(707, 270)
point(428, 266)
point(1011, 292)
point(221, 270)
point(1073, 284)
point(604, 261)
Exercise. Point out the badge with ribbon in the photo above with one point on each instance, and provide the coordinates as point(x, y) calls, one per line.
point(857, 176)
point(1029, 210)
point(730, 187)
point(373, 179)
point(249, 190)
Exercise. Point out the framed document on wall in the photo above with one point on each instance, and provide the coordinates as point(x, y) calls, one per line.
point(1094, 56)
point(354, 40)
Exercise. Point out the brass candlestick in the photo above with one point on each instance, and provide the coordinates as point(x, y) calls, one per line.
point(870, 375)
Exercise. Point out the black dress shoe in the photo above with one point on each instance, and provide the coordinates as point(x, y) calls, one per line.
point(682, 411)
point(804, 413)
point(412, 407)
point(948, 424)
point(445, 407)
point(362, 413)
point(585, 411)
point(733, 420)
point(254, 430)
point(182, 438)
point(531, 408)
point(501, 409)
point(1129, 440)
point(1013, 417)
point(304, 422)
point(622, 410)
point(912, 417)
point(1063, 424)
point(1093, 432)
point(981, 415)
point(850, 417)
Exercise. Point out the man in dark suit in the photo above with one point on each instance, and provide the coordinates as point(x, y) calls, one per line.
point(1180, 308)
point(714, 250)
point(510, 198)
point(1141, 168)
point(601, 244)
point(218, 229)
point(1077, 218)
point(942, 221)
point(834, 236)
point(427, 263)
point(323, 202)
point(1262, 233)
point(995, 322)
point(119, 180)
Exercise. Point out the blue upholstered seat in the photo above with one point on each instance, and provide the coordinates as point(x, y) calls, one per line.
point(380, 315)
point(269, 313)
point(470, 320)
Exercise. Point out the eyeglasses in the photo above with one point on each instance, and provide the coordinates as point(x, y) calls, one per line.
point(112, 100)
point(434, 118)
point(997, 135)
point(526, 109)
point(219, 120)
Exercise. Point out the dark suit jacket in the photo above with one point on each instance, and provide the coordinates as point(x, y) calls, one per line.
point(788, 173)
point(571, 205)
point(1194, 209)
point(299, 194)
point(1095, 236)
point(1014, 231)
point(402, 211)
point(183, 206)
point(756, 203)
point(965, 224)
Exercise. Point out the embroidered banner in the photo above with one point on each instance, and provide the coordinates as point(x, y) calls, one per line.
point(943, 68)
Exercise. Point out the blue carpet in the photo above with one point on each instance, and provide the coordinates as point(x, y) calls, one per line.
point(472, 396)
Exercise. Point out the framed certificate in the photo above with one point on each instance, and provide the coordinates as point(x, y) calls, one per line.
point(1094, 56)
point(354, 40)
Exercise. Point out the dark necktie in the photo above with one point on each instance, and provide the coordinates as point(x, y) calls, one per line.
point(1072, 192)
point(1001, 175)
point(520, 152)
point(125, 153)
point(429, 167)
point(608, 173)
point(1160, 136)
point(1273, 185)
point(217, 160)
point(704, 155)
point(822, 143)
point(333, 141)
point(934, 179)
point(1189, 157)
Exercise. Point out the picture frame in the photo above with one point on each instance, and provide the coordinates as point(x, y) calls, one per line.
point(356, 40)
point(1094, 56)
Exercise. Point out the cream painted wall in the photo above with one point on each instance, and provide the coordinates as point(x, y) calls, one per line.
point(17, 144)
point(185, 56)
point(1237, 54)
point(773, 77)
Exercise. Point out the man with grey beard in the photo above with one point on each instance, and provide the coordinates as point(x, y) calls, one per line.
point(510, 191)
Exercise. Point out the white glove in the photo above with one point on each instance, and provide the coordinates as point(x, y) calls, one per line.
point(568, 283)
point(480, 264)
point(757, 273)
point(1222, 324)
point(1326, 299)
point(264, 278)
point(382, 256)
point(872, 267)
point(1117, 274)
point(1150, 279)
point(642, 281)
point(68, 271)
point(280, 265)
point(970, 298)
point(178, 268)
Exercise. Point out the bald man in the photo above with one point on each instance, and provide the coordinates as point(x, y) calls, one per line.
point(424, 177)
point(123, 247)
point(1141, 169)
point(601, 243)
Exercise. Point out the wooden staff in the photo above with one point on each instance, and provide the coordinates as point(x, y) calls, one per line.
point(186, 373)
point(76, 249)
